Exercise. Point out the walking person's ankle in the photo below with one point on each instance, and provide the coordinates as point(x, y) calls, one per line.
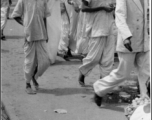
point(29, 90)
point(28, 85)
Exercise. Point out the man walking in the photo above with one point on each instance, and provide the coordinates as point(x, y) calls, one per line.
point(34, 13)
point(132, 48)
point(101, 48)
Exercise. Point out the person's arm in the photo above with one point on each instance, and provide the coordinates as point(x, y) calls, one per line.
point(86, 7)
point(123, 28)
point(47, 13)
point(75, 5)
point(62, 6)
point(19, 20)
point(10, 2)
point(45, 26)
point(90, 10)
point(18, 12)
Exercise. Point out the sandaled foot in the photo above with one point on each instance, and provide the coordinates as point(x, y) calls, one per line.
point(30, 91)
point(35, 88)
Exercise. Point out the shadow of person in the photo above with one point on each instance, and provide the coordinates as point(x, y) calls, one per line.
point(115, 107)
point(76, 62)
point(110, 106)
point(65, 91)
point(4, 51)
point(14, 37)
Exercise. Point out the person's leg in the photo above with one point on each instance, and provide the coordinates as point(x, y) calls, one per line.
point(29, 64)
point(106, 84)
point(64, 41)
point(8, 11)
point(3, 21)
point(35, 83)
point(96, 46)
point(143, 67)
point(107, 59)
point(2, 36)
point(42, 57)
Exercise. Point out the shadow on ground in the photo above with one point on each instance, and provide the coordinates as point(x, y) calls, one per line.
point(75, 62)
point(114, 107)
point(65, 91)
point(4, 51)
point(14, 37)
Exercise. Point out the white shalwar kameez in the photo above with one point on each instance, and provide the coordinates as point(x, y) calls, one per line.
point(101, 46)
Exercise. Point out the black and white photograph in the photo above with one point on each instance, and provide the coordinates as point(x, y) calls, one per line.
point(75, 59)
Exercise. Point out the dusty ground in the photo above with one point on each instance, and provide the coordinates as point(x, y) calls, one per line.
point(59, 87)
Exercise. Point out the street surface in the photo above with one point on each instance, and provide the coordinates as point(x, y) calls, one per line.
point(59, 88)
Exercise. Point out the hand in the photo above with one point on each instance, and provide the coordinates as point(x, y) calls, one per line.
point(127, 44)
point(108, 9)
point(77, 9)
point(70, 2)
point(85, 2)
point(112, 5)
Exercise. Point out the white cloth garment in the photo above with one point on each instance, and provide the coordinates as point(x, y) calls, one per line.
point(64, 41)
point(4, 10)
point(101, 51)
point(81, 38)
point(33, 13)
point(126, 63)
point(35, 55)
point(73, 15)
point(129, 21)
point(54, 25)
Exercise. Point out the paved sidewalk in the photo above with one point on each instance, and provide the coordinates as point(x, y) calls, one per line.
point(59, 88)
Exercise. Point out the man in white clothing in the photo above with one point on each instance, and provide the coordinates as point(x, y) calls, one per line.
point(132, 48)
point(99, 20)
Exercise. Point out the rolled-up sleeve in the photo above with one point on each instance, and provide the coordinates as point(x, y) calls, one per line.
point(121, 16)
point(18, 10)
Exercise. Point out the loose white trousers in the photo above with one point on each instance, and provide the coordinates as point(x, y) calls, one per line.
point(127, 61)
point(100, 51)
point(35, 56)
point(64, 41)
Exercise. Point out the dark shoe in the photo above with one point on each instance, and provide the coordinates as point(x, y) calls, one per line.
point(66, 58)
point(97, 100)
point(69, 53)
point(3, 38)
point(81, 79)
